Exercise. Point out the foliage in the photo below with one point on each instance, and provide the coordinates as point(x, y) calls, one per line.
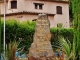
point(19, 31)
point(59, 25)
point(67, 33)
point(66, 47)
point(25, 30)
point(70, 10)
point(76, 16)
point(11, 50)
point(72, 50)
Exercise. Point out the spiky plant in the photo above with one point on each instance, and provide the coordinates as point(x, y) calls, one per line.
point(72, 51)
point(11, 50)
point(66, 47)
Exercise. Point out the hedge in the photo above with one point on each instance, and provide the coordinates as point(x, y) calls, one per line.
point(24, 31)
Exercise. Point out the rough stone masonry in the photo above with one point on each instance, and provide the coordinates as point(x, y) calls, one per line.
point(41, 45)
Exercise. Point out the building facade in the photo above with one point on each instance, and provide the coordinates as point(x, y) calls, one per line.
point(57, 10)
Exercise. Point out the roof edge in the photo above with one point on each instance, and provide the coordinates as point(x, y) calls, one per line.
point(61, 1)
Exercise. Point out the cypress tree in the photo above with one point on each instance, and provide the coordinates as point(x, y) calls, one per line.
point(76, 17)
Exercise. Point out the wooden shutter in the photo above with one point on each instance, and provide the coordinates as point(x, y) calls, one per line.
point(59, 10)
point(13, 4)
point(40, 6)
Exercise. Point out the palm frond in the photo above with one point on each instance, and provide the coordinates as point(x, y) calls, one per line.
point(66, 46)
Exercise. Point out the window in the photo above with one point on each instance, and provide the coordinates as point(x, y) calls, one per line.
point(13, 4)
point(59, 9)
point(38, 6)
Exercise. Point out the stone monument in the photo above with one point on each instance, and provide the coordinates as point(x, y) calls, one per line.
point(41, 45)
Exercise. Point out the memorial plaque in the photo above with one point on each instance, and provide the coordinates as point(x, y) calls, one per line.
point(41, 45)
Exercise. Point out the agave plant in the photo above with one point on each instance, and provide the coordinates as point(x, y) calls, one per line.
point(11, 50)
point(72, 51)
point(66, 47)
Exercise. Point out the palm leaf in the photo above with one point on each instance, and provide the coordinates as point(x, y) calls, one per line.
point(66, 46)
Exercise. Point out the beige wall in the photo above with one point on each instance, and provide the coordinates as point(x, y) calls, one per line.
point(48, 7)
point(22, 17)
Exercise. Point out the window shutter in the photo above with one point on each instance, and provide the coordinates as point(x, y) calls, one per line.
point(40, 6)
point(59, 10)
point(13, 4)
point(36, 6)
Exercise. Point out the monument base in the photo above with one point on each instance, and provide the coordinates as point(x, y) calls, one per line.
point(42, 58)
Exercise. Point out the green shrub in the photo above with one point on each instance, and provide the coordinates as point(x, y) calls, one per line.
point(25, 30)
point(67, 33)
